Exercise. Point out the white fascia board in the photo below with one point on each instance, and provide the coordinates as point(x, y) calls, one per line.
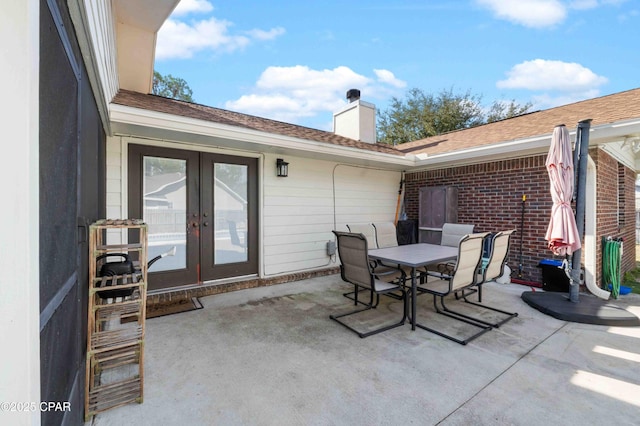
point(269, 142)
point(605, 133)
point(627, 124)
point(509, 149)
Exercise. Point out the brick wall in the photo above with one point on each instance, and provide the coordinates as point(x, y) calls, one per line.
point(616, 207)
point(209, 290)
point(490, 196)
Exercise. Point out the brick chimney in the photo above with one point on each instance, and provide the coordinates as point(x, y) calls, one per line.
point(357, 120)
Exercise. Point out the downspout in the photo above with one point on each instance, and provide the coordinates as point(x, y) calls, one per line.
point(590, 240)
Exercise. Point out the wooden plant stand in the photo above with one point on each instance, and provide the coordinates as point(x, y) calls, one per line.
point(115, 325)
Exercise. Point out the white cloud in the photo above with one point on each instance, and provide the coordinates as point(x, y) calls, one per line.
point(546, 100)
point(386, 76)
point(557, 82)
point(591, 4)
point(180, 39)
point(302, 77)
point(327, 35)
point(541, 13)
point(292, 94)
point(623, 17)
point(530, 13)
point(266, 35)
point(192, 6)
point(583, 4)
point(275, 106)
point(541, 74)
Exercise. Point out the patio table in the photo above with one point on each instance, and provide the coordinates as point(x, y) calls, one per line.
point(414, 256)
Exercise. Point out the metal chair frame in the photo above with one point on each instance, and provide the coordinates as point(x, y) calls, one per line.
point(464, 276)
point(356, 269)
point(369, 232)
point(493, 270)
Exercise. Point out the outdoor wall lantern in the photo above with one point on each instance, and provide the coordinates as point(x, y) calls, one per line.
point(282, 168)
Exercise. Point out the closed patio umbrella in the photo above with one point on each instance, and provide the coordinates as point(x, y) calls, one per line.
point(562, 234)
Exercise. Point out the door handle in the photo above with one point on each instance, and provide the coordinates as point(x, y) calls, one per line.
point(206, 224)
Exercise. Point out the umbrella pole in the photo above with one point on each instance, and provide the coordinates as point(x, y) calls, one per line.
point(582, 143)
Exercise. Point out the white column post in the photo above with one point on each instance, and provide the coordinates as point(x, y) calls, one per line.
point(19, 217)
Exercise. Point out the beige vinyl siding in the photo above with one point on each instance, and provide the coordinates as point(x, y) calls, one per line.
point(114, 202)
point(95, 23)
point(297, 213)
point(301, 210)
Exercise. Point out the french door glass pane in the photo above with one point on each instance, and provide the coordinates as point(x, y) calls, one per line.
point(164, 210)
point(230, 213)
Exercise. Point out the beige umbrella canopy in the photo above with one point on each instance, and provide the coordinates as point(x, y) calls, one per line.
point(562, 233)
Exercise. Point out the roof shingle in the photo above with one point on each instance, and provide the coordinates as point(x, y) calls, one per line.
point(221, 116)
point(603, 110)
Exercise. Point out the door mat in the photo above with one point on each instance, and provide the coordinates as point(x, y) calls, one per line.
point(173, 307)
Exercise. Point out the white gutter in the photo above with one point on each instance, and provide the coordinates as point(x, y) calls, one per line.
point(474, 155)
point(232, 136)
point(605, 133)
point(269, 142)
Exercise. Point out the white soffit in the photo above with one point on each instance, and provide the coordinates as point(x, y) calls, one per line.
point(148, 15)
point(136, 30)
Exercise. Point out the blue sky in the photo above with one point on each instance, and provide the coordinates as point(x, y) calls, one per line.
point(294, 60)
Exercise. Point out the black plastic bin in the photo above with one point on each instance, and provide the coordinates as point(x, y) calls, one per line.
point(553, 276)
point(407, 232)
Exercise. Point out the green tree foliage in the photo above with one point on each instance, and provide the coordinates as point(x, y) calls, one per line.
point(421, 115)
point(171, 87)
point(503, 110)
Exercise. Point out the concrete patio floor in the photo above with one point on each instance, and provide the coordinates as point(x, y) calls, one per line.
point(272, 356)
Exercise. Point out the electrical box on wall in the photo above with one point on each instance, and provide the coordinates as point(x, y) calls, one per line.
point(331, 248)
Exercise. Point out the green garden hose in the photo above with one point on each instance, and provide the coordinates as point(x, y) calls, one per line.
point(611, 265)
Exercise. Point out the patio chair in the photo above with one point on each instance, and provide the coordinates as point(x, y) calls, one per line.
point(499, 249)
point(356, 269)
point(464, 276)
point(367, 230)
point(452, 233)
point(385, 234)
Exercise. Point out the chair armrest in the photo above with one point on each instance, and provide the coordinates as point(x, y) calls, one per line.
point(440, 275)
point(397, 273)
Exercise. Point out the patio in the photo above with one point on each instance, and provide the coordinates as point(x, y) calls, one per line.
point(271, 355)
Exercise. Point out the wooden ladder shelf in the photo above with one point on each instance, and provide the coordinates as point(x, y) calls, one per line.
point(116, 319)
